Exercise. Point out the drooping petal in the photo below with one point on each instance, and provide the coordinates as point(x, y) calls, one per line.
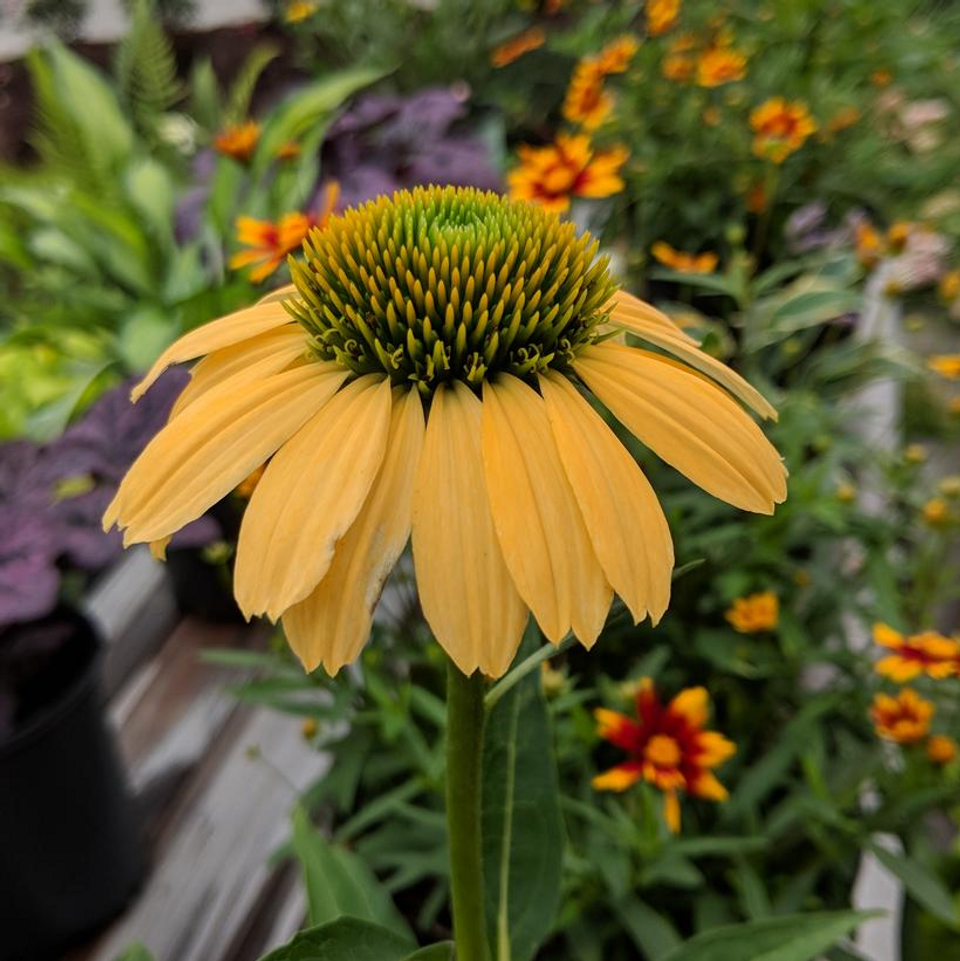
point(693, 425)
point(539, 525)
point(618, 778)
point(333, 623)
point(655, 328)
point(216, 335)
point(618, 729)
point(309, 495)
point(692, 704)
point(624, 520)
point(212, 446)
point(244, 363)
point(886, 636)
point(705, 785)
point(466, 591)
point(671, 811)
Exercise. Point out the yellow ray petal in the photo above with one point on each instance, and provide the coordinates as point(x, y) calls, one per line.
point(466, 591)
point(213, 445)
point(539, 526)
point(693, 704)
point(705, 785)
point(623, 517)
point(627, 304)
point(629, 313)
point(214, 336)
point(286, 292)
point(309, 495)
point(243, 363)
point(693, 425)
point(333, 623)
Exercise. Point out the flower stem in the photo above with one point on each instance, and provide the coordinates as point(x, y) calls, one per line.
point(464, 760)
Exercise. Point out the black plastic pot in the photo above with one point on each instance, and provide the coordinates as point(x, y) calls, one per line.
point(70, 848)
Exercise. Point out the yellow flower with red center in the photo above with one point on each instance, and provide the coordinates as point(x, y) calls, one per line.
point(667, 747)
point(941, 749)
point(904, 718)
point(704, 263)
point(661, 15)
point(516, 47)
point(754, 613)
point(272, 242)
point(569, 167)
point(719, 65)
point(928, 653)
point(780, 128)
point(588, 102)
point(615, 57)
point(946, 365)
point(238, 140)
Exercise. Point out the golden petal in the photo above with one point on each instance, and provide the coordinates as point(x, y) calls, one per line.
point(623, 517)
point(466, 591)
point(690, 423)
point(642, 320)
point(214, 336)
point(331, 626)
point(213, 445)
point(309, 495)
point(539, 525)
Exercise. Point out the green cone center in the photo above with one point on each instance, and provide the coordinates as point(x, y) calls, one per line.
point(444, 283)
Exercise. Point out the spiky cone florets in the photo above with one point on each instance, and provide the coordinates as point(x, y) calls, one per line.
point(439, 285)
point(426, 376)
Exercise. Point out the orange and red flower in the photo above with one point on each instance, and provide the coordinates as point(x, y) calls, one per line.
point(238, 140)
point(780, 127)
point(754, 613)
point(928, 653)
point(667, 747)
point(569, 167)
point(615, 57)
point(588, 102)
point(516, 47)
point(719, 65)
point(271, 242)
point(705, 263)
point(904, 718)
point(661, 15)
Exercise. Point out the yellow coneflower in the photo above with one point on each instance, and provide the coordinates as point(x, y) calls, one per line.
point(514, 48)
point(705, 263)
point(661, 15)
point(780, 128)
point(424, 372)
point(666, 746)
point(587, 102)
point(754, 613)
point(904, 718)
point(238, 140)
point(569, 167)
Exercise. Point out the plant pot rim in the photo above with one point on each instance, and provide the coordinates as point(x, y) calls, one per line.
point(53, 712)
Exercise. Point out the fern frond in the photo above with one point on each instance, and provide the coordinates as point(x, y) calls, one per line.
point(241, 90)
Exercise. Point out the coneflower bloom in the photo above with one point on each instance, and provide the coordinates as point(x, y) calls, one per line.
point(238, 140)
point(928, 653)
point(904, 718)
point(667, 747)
point(429, 370)
point(570, 167)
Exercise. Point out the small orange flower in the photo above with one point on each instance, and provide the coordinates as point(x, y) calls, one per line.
point(667, 747)
point(680, 63)
point(588, 102)
point(904, 718)
point(927, 653)
point(946, 365)
point(843, 118)
point(941, 749)
point(516, 47)
point(661, 15)
point(781, 127)
point(705, 263)
point(720, 65)
point(569, 167)
point(238, 140)
point(898, 233)
point(288, 150)
point(936, 512)
point(298, 10)
point(271, 243)
point(949, 286)
point(754, 613)
point(615, 57)
point(881, 78)
point(868, 244)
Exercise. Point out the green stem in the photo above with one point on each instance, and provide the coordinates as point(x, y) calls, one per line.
point(523, 669)
point(464, 760)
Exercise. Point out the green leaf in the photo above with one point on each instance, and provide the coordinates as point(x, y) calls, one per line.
point(307, 109)
point(709, 283)
point(522, 827)
point(339, 884)
point(652, 933)
point(444, 951)
point(150, 191)
point(134, 952)
point(238, 98)
point(143, 336)
point(796, 937)
point(346, 939)
point(922, 884)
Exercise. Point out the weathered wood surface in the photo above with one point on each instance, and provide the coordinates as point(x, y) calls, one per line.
point(216, 780)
